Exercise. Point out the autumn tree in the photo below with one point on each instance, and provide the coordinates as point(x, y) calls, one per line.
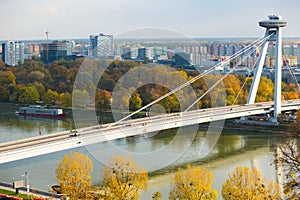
point(7, 77)
point(66, 99)
point(157, 196)
point(232, 87)
point(121, 100)
point(102, 100)
point(107, 84)
point(2, 64)
point(29, 95)
point(294, 127)
point(135, 102)
point(80, 97)
point(50, 96)
point(35, 76)
point(265, 91)
point(170, 103)
point(84, 81)
point(40, 87)
point(193, 183)
point(4, 94)
point(289, 161)
point(248, 184)
point(290, 91)
point(74, 175)
point(16, 92)
point(123, 179)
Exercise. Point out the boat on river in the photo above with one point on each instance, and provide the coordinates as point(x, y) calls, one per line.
point(41, 111)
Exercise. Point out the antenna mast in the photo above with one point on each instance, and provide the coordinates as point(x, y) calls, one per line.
point(47, 33)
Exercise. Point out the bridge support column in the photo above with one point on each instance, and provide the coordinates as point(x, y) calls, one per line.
point(257, 75)
point(274, 27)
point(278, 75)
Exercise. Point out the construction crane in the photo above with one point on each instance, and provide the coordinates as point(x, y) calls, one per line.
point(47, 34)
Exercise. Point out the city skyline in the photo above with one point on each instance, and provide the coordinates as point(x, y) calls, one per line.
point(209, 19)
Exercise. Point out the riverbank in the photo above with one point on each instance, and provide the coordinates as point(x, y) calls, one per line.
point(7, 188)
point(108, 117)
point(280, 130)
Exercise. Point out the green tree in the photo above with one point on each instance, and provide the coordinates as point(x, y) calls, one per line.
point(16, 91)
point(170, 103)
point(193, 183)
point(107, 84)
point(135, 102)
point(40, 87)
point(121, 100)
point(50, 96)
point(66, 99)
point(35, 76)
point(123, 179)
point(248, 184)
point(4, 94)
point(74, 175)
point(30, 95)
point(79, 97)
point(84, 81)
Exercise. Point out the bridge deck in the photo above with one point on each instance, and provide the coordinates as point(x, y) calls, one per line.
point(30, 147)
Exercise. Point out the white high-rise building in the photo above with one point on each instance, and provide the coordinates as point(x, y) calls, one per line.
point(13, 52)
point(70, 45)
point(150, 52)
point(296, 52)
point(102, 46)
point(134, 52)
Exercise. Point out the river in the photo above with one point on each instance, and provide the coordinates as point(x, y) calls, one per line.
point(234, 148)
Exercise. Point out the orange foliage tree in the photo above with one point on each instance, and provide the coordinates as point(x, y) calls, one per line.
point(123, 179)
point(74, 176)
point(248, 184)
point(193, 184)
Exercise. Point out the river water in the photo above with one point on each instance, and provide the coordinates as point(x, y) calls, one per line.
point(234, 148)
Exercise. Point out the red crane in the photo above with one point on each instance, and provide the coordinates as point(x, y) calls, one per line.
point(47, 33)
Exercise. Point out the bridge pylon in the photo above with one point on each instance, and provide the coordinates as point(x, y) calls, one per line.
point(273, 25)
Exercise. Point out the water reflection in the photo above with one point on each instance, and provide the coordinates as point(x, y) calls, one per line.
point(14, 127)
point(232, 149)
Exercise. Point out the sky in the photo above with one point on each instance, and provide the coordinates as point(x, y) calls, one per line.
point(66, 19)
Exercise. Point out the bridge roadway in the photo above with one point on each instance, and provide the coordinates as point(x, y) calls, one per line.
point(44, 144)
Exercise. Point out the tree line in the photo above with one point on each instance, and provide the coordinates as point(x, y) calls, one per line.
point(124, 179)
point(56, 82)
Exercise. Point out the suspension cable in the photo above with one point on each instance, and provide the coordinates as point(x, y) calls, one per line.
point(213, 86)
point(261, 39)
point(238, 94)
point(291, 71)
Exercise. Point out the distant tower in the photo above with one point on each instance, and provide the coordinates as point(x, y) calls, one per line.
point(274, 27)
point(47, 47)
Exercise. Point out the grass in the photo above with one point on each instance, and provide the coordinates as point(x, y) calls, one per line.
point(24, 196)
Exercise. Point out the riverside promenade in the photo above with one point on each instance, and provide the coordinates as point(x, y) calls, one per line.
point(34, 192)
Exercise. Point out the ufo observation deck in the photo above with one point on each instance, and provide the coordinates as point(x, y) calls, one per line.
point(274, 21)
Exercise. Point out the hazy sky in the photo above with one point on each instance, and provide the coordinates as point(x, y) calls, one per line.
point(29, 19)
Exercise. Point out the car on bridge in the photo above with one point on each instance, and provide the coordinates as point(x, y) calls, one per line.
point(74, 133)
